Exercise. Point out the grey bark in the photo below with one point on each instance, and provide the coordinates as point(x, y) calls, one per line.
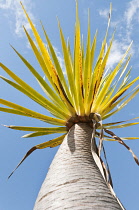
point(74, 181)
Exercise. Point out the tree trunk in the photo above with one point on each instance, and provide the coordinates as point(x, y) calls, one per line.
point(74, 180)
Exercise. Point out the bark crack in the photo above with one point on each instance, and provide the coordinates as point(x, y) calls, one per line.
point(69, 182)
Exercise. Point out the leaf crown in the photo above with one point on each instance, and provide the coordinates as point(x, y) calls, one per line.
point(88, 93)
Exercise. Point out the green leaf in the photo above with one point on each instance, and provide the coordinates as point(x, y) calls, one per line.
point(69, 67)
point(122, 125)
point(135, 92)
point(58, 68)
point(123, 138)
point(39, 131)
point(51, 142)
point(78, 67)
point(13, 111)
point(46, 63)
point(89, 89)
point(24, 91)
point(109, 81)
point(33, 114)
point(43, 129)
point(87, 67)
point(34, 93)
point(48, 90)
point(97, 101)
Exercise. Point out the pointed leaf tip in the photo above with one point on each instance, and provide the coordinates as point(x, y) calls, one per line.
point(26, 155)
point(7, 126)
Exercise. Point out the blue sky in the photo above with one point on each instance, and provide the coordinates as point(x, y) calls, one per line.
point(21, 190)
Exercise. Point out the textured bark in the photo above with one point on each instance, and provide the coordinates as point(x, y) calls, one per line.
point(74, 181)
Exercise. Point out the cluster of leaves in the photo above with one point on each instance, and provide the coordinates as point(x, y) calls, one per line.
point(88, 93)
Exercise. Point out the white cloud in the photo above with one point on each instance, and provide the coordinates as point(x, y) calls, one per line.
point(131, 17)
point(14, 12)
point(117, 51)
point(124, 33)
point(104, 13)
point(132, 12)
point(5, 4)
point(120, 44)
